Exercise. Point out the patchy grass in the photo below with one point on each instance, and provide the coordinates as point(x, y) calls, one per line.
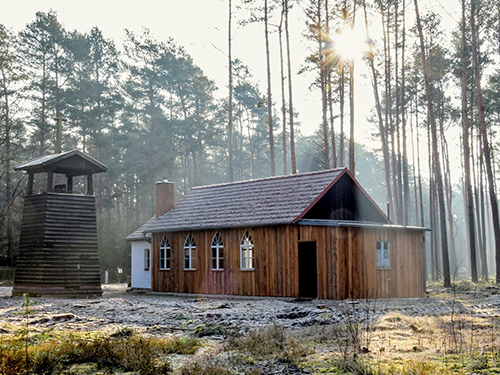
point(273, 342)
point(268, 350)
point(364, 340)
point(465, 341)
point(54, 352)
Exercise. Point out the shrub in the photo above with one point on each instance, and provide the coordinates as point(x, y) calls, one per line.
point(269, 342)
point(54, 352)
point(209, 329)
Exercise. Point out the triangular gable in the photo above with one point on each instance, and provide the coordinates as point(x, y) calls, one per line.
point(344, 199)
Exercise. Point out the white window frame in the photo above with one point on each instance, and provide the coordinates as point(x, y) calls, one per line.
point(165, 254)
point(247, 252)
point(189, 253)
point(383, 255)
point(217, 252)
point(147, 259)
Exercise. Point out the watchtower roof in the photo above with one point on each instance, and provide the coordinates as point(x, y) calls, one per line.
point(71, 163)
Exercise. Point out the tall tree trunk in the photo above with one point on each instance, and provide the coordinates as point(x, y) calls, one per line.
point(323, 79)
point(7, 172)
point(389, 121)
point(342, 80)
point(435, 155)
point(230, 165)
point(482, 211)
point(420, 209)
point(352, 156)
point(342, 110)
point(269, 92)
point(478, 188)
point(414, 167)
point(332, 122)
point(406, 180)
point(329, 92)
point(420, 194)
point(241, 165)
point(381, 127)
point(283, 101)
point(434, 264)
point(290, 101)
point(43, 115)
point(352, 151)
point(398, 171)
point(449, 200)
point(484, 136)
point(469, 199)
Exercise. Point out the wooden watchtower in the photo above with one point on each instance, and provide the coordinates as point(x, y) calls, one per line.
point(58, 251)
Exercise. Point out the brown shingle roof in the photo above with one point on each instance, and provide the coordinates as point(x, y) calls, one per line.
point(267, 201)
point(140, 233)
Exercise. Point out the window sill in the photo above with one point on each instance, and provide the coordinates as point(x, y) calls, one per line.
point(247, 269)
point(384, 268)
point(146, 269)
point(217, 269)
point(189, 269)
point(164, 269)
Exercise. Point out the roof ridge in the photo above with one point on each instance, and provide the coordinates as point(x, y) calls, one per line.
point(287, 176)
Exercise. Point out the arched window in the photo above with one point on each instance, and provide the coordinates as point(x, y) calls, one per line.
point(164, 254)
point(217, 252)
point(189, 253)
point(246, 252)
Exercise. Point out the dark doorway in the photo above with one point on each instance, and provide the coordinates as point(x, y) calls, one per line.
point(308, 277)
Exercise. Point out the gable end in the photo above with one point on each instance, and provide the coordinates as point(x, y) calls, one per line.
point(344, 199)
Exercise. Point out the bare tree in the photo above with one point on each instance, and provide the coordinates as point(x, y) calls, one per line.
point(324, 68)
point(469, 199)
point(269, 91)
point(283, 101)
point(381, 126)
point(10, 78)
point(290, 96)
point(406, 180)
point(435, 155)
point(230, 163)
point(352, 156)
point(484, 136)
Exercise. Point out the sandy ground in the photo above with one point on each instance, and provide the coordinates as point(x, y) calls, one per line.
point(160, 313)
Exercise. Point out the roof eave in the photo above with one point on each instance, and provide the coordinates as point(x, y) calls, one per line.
point(100, 167)
point(239, 226)
point(359, 224)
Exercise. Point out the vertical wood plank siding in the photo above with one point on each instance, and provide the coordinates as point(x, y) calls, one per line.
point(346, 263)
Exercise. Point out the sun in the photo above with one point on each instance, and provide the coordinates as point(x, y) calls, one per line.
point(350, 43)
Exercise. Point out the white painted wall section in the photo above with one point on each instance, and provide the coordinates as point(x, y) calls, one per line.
point(141, 268)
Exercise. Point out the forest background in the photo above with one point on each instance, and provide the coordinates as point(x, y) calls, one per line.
point(408, 102)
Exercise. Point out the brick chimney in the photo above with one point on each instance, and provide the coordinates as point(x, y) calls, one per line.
point(164, 197)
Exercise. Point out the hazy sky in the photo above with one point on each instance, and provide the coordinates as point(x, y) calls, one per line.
point(201, 27)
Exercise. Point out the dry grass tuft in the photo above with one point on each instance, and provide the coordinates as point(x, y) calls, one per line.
point(52, 352)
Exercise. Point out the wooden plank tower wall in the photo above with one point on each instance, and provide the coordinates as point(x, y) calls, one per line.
point(58, 253)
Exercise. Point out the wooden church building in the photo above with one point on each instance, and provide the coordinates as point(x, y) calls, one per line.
point(313, 235)
point(58, 251)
